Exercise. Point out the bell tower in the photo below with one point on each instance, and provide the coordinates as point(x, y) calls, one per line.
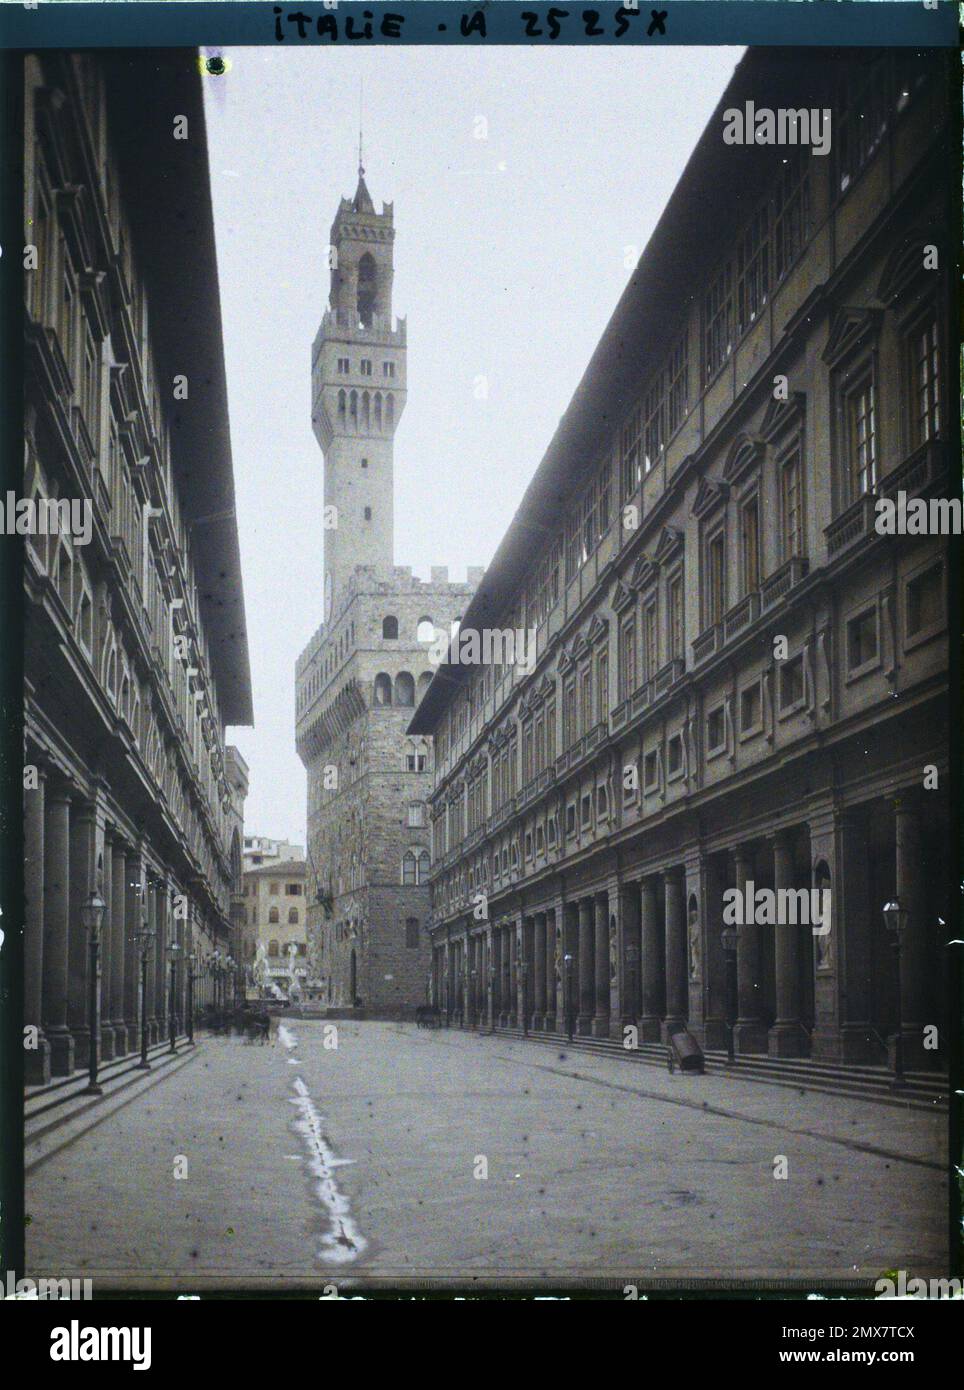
point(358, 389)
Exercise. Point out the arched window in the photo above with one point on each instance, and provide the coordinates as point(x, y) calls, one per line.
point(292, 916)
point(367, 290)
point(425, 631)
point(389, 412)
point(383, 689)
point(409, 868)
point(378, 410)
point(424, 865)
point(353, 406)
point(273, 915)
point(404, 688)
point(342, 402)
point(390, 627)
point(366, 410)
point(424, 681)
point(272, 948)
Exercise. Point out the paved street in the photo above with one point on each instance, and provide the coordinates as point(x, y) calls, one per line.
point(315, 1163)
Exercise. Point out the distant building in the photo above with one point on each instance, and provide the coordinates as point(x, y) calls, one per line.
point(361, 674)
point(259, 850)
point(275, 947)
point(136, 654)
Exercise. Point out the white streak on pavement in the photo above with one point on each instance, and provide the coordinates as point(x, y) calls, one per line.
point(344, 1241)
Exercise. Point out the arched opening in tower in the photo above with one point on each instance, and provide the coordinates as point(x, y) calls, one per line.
point(367, 290)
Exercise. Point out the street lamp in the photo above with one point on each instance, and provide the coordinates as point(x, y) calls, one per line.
point(92, 915)
point(191, 964)
point(567, 962)
point(144, 936)
point(895, 920)
point(728, 936)
point(173, 949)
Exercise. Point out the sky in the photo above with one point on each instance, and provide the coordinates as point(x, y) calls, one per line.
point(526, 183)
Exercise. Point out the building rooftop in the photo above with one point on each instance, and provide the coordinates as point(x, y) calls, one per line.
point(291, 868)
point(168, 195)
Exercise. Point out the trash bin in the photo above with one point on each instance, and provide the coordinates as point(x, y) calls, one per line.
point(688, 1052)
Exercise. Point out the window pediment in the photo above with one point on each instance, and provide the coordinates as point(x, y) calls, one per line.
point(621, 598)
point(598, 629)
point(851, 329)
point(905, 265)
point(745, 453)
point(670, 540)
point(709, 496)
point(782, 417)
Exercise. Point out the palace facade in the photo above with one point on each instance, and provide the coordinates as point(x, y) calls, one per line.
point(136, 654)
point(738, 680)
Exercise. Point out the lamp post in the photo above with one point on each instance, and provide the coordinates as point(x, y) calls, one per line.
point(728, 937)
point(524, 973)
point(895, 920)
point(191, 963)
point(473, 994)
point(491, 996)
point(92, 915)
point(144, 936)
point(173, 949)
point(567, 962)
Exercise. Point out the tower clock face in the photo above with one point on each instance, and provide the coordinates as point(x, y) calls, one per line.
point(327, 596)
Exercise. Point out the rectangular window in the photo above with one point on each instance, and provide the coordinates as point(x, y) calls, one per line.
point(715, 730)
point(791, 682)
point(571, 818)
point(925, 602)
point(678, 392)
point(366, 367)
point(550, 731)
point(862, 121)
point(674, 755)
point(411, 932)
point(714, 581)
point(388, 369)
point(791, 511)
point(862, 438)
point(753, 263)
point(629, 445)
point(650, 770)
point(674, 604)
point(750, 544)
point(925, 367)
point(569, 713)
point(653, 430)
point(585, 700)
point(717, 323)
point(416, 814)
point(650, 641)
point(602, 497)
point(573, 545)
point(627, 657)
point(585, 815)
point(862, 639)
point(751, 718)
point(344, 366)
point(792, 212)
point(588, 523)
point(602, 686)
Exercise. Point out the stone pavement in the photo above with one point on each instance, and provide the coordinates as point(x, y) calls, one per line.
point(364, 1162)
